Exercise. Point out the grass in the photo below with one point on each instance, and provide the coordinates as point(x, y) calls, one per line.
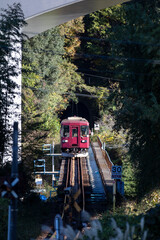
point(118, 223)
point(132, 213)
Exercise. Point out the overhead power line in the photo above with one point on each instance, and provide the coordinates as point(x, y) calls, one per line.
point(64, 94)
point(94, 56)
point(123, 41)
point(85, 95)
point(106, 78)
point(91, 75)
point(114, 72)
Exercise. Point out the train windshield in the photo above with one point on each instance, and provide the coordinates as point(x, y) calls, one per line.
point(84, 131)
point(65, 131)
point(75, 132)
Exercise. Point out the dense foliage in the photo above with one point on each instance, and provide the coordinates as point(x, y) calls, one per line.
point(49, 83)
point(122, 46)
point(11, 22)
point(121, 55)
point(137, 99)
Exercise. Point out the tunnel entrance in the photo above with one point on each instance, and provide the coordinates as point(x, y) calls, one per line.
point(85, 109)
point(78, 109)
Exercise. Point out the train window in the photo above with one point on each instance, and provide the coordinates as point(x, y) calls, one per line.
point(65, 131)
point(84, 131)
point(75, 132)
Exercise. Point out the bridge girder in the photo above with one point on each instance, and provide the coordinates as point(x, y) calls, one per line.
point(42, 15)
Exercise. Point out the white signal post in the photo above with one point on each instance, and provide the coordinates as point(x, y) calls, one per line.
point(53, 177)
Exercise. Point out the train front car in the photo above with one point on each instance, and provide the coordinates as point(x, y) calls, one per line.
point(74, 137)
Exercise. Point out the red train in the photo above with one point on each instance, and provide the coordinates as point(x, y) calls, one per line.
point(75, 137)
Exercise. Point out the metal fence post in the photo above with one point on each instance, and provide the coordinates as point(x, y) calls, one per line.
point(114, 196)
point(58, 225)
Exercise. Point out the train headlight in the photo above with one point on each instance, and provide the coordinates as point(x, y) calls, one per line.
point(83, 141)
point(65, 141)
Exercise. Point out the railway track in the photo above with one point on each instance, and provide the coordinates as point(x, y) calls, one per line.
point(83, 188)
point(76, 179)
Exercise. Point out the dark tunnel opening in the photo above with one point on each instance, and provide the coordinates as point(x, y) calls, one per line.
point(79, 109)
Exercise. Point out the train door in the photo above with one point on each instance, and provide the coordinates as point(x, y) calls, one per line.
point(74, 136)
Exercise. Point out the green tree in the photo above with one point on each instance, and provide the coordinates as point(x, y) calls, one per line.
point(49, 83)
point(11, 22)
point(95, 46)
point(136, 60)
point(72, 31)
point(121, 45)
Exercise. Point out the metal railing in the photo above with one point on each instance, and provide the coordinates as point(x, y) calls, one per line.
point(99, 142)
point(105, 154)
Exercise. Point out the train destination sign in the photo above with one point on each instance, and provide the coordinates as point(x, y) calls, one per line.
point(116, 172)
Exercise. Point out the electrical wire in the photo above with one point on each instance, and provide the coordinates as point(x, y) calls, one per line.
point(114, 72)
point(106, 78)
point(94, 56)
point(91, 75)
point(125, 41)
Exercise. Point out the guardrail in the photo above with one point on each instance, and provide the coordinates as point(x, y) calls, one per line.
point(99, 142)
point(105, 154)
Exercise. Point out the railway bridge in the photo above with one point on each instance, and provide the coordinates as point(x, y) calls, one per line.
point(86, 183)
point(45, 14)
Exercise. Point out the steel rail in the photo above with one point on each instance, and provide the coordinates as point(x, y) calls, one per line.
point(67, 183)
point(82, 183)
